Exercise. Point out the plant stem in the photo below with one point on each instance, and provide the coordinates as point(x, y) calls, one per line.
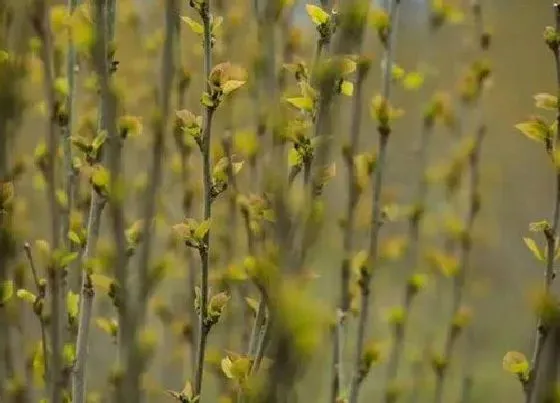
point(41, 22)
point(348, 241)
point(31, 261)
point(79, 387)
point(67, 133)
point(414, 258)
point(551, 236)
point(207, 178)
point(365, 281)
point(464, 259)
point(135, 362)
point(97, 205)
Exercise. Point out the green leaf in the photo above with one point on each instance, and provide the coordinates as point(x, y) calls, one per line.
point(232, 85)
point(99, 140)
point(6, 291)
point(539, 226)
point(546, 101)
point(413, 80)
point(534, 129)
point(72, 304)
point(100, 177)
point(226, 365)
point(64, 258)
point(317, 14)
point(69, 353)
point(74, 237)
point(294, 158)
point(302, 103)
point(206, 100)
point(101, 281)
point(347, 88)
point(193, 25)
point(26, 295)
point(516, 363)
point(202, 230)
point(532, 245)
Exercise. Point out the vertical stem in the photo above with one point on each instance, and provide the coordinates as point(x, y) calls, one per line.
point(41, 23)
point(135, 362)
point(365, 282)
point(207, 179)
point(551, 235)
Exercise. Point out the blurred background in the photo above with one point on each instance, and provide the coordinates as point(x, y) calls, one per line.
point(517, 186)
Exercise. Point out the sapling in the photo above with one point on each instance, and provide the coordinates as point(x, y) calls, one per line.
point(384, 113)
point(352, 160)
point(97, 204)
point(41, 25)
point(472, 92)
point(221, 80)
point(538, 384)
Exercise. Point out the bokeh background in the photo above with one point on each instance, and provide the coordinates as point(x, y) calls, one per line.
point(517, 187)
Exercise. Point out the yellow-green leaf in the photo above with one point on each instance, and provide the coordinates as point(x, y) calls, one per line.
point(193, 25)
point(516, 363)
point(413, 80)
point(534, 129)
point(302, 103)
point(72, 304)
point(532, 245)
point(546, 101)
point(26, 295)
point(317, 14)
point(202, 229)
point(101, 281)
point(232, 85)
point(347, 88)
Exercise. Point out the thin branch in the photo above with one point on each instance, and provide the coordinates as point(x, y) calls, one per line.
point(551, 235)
point(41, 24)
point(359, 372)
point(203, 327)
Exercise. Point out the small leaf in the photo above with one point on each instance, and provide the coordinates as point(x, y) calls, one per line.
point(347, 88)
point(516, 363)
point(231, 85)
point(413, 80)
point(202, 230)
point(101, 281)
point(317, 14)
point(302, 103)
point(72, 304)
point(206, 100)
point(546, 101)
point(193, 25)
point(26, 295)
point(532, 245)
point(75, 238)
point(99, 140)
point(535, 129)
point(226, 365)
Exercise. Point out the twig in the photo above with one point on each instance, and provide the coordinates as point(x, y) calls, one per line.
point(551, 235)
point(348, 241)
point(97, 205)
point(41, 24)
point(135, 364)
point(203, 328)
point(366, 276)
point(41, 293)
